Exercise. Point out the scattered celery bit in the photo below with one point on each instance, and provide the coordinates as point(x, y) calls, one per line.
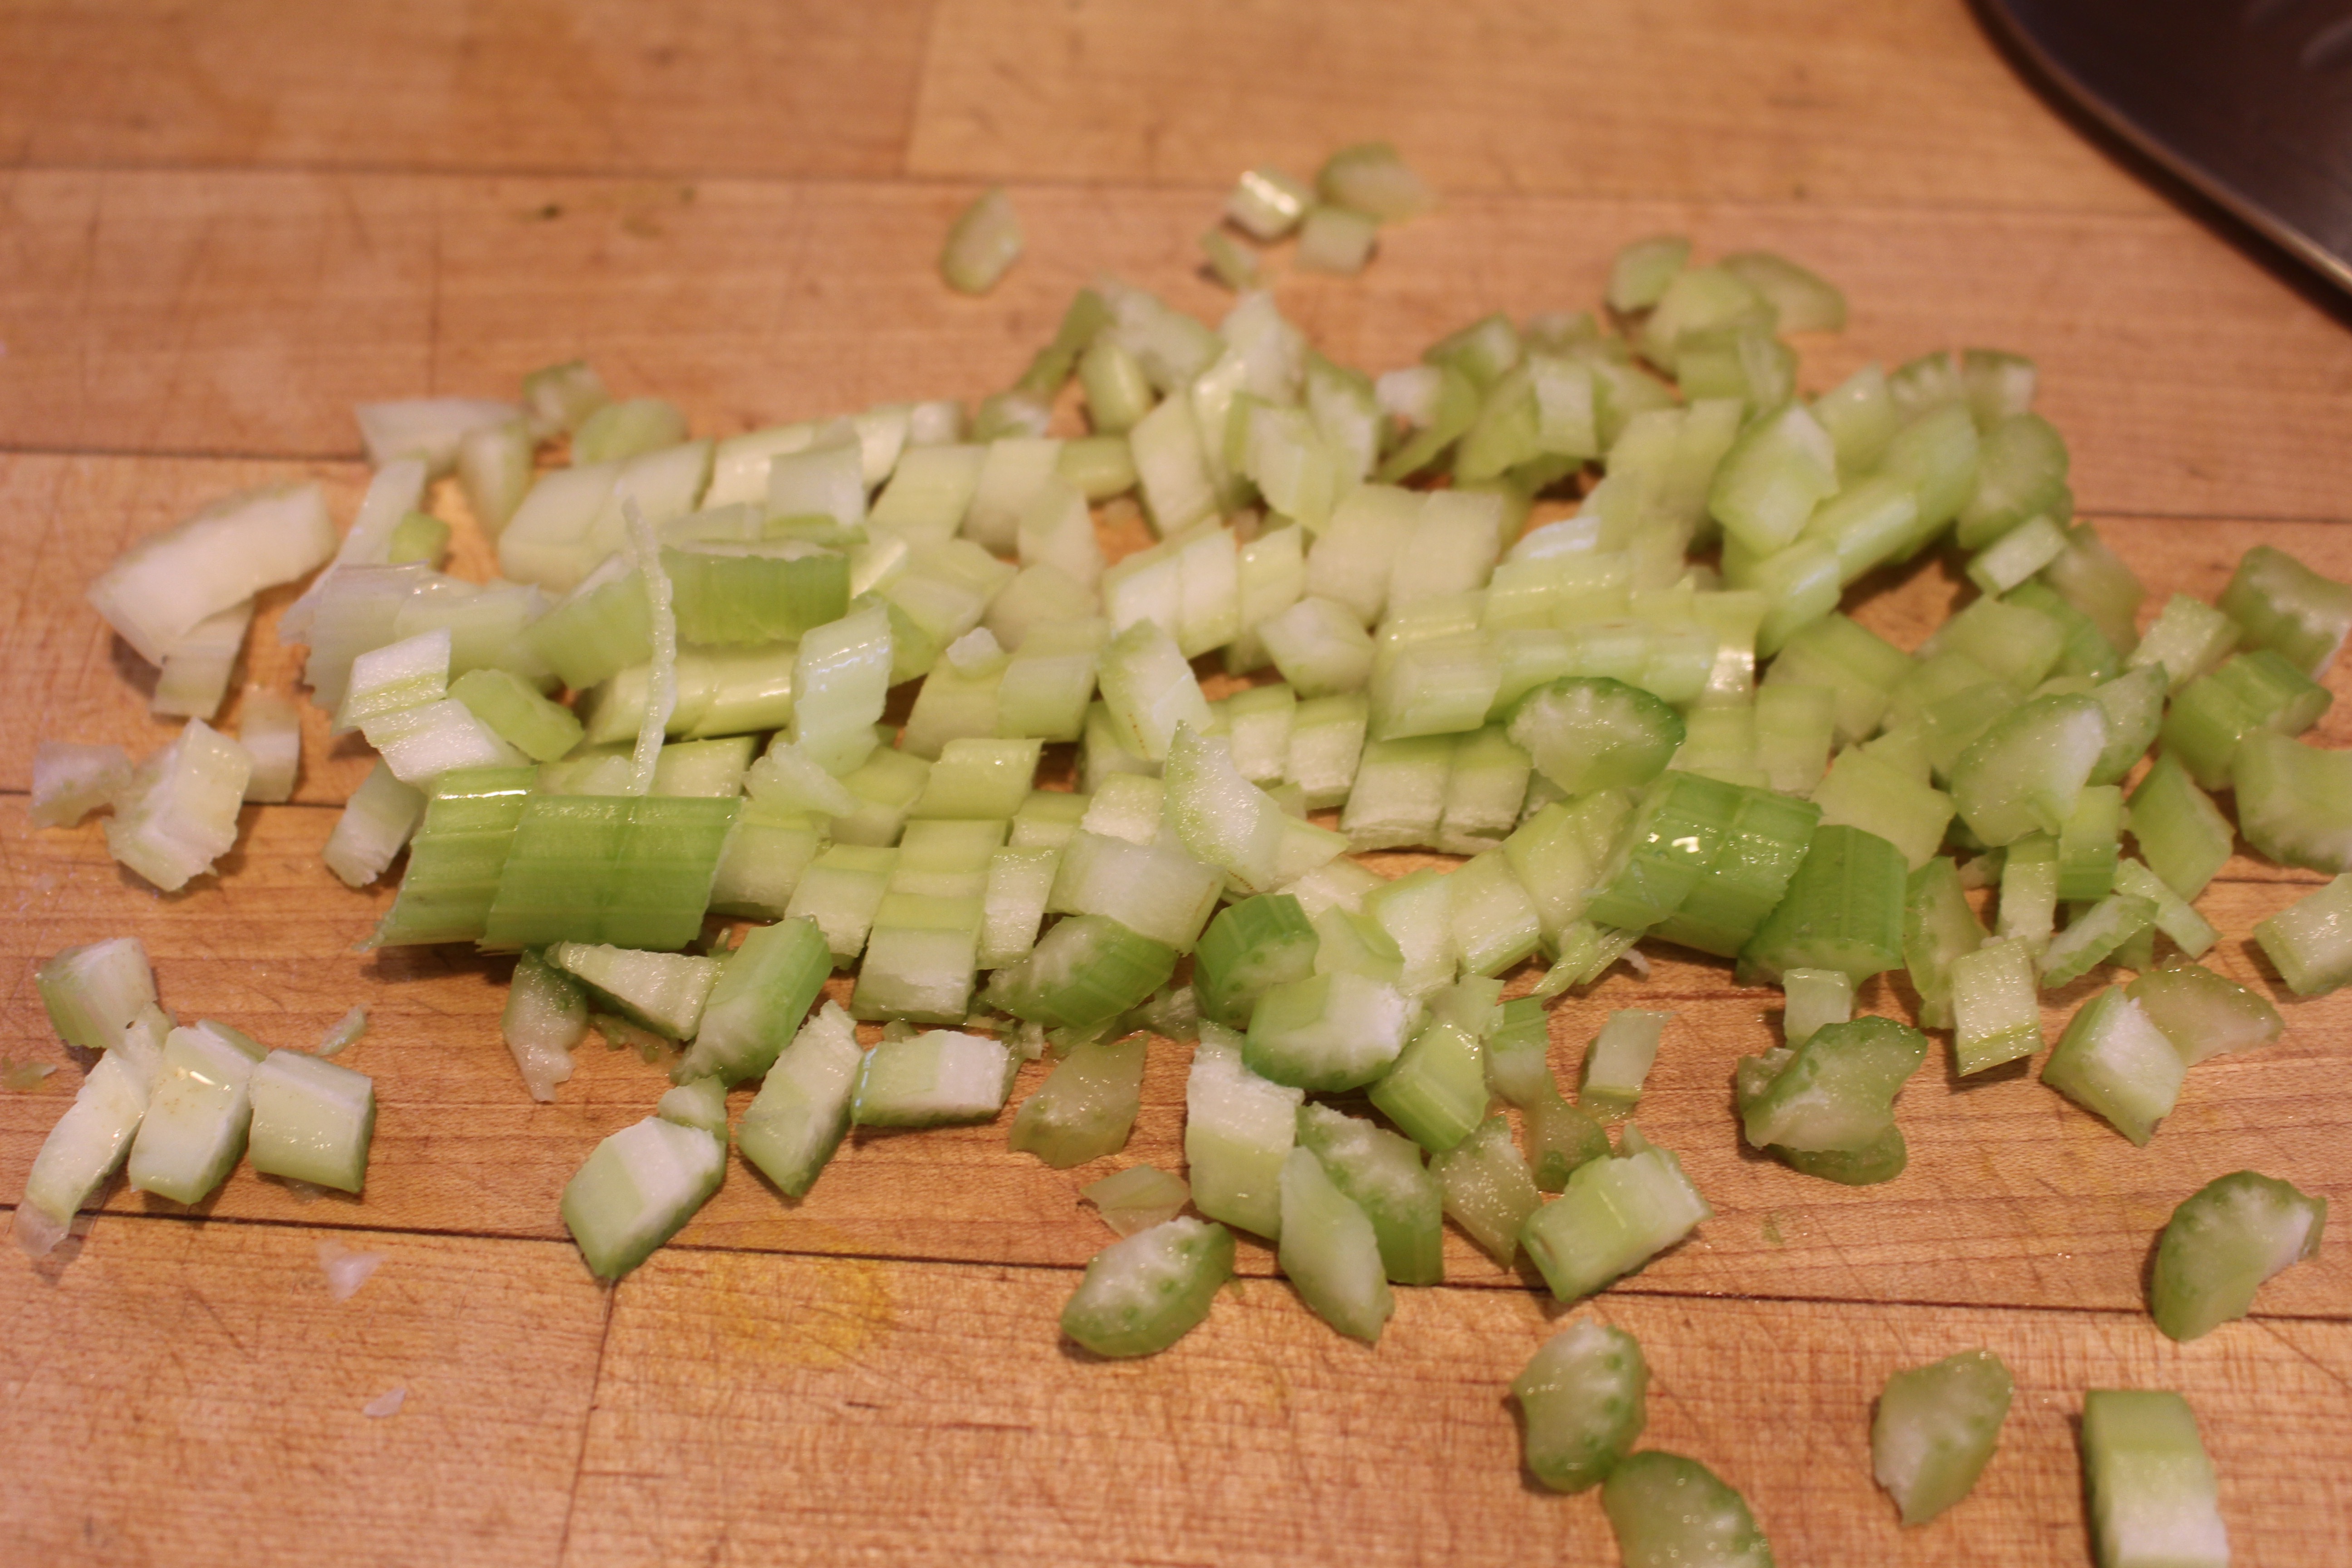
point(2114, 1062)
point(1085, 1106)
point(2152, 1491)
point(1137, 1198)
point(2223, 1242)
point(1330, 1252)
point(982, 244)
point(1582, 1397)
point(2310, 941)
point(1143, 1294)
point(1672, 1512)
point(1614, 1215)
point(638, 1189)
point(1936, 1429)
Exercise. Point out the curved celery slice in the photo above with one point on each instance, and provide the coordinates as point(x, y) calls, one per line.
point(1383, 1175)
point(1836, 1091)
point(2094, 936)
point(94, 992)
point(1328, 1032)
point(797, 1119)
point(69, 782)
point(1996, 1014)
point(2311, 940)
point(2279, 602)
point(1862, 791)
point(1672, 1512)
point(1938, 927)
point(638, 1189)
point(1583, 1396)
point(1620, 1057)
point(2026, 772)
point(312, 1121)
point(2114, 1062)
point(546, 1016)
point(158, 591)
point(1844, 910)
point(755, 1005)
point(1238, 1127)
point(81, 1151)
point(1436, 1090)
point(982, 245)
point(1249, 946)
point(1143, 1294)
point(1330, 1252)
point(1589, 733)
point(2222, 1242)
point(1086, 1105)
point(1936, 1429)
point(2152, 1492)
point(2295, 803)
point(179, 813)
point(1614, 1215)
point(2202, 1014)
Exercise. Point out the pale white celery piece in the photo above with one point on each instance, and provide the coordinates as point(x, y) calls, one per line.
point(1127, 805)
point(196, 673)
point(628, 429)
point(932, 1079)
point(1137, 1198)
point(71, 781)
point(1334, 239)
point(271, 730)
point(573, 517)
point(394, 492)
point(1321, 647)
point(359, 609)
point(1150, 689)
point(1054, 529)
point(81, 1151)
point(931, 490)
point(404, 674)
point(638, 1189)
point(560, 398)
point(665, 992)
point(827, 480)
point(1238, 1128)
point(1353, 562)
point(1619, 1059)
point(94, 992)
point(178, 815)
point(2153, 1499)
point(1171, 467)
point(426, 428)
point(739, 464)
point(1038, 597)
point(982, 244)
point(1450, 549)
point(494, 466)
point(1014, 471)
point(1019, 883)
point(158, 592)
point(1256, 723)
point(841, 678)
point(312, 1121)
point(1640, 271)
point(1811, 998)
point(1267, 203)
point(796, 1121)
point(1330, 1250)
point(194, 1127)
point(377, 821)
point(1222, 817)
point(1157, 890)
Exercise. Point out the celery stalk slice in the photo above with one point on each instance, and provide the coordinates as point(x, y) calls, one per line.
point(2114, 1062)
point(1330, 1251)
point(1614, 1215)
point(755, 1006)
point(1935, 1430)
point(638, 1190)
point(2152, 1491)
point(312, 1121)
point(1142, 1294)
point(2202, 1014)
point(2222, 1242)
point(798, 1119)
point(1486, 1188)
point(1583, 1398)
point(89, 1142)
point(1668, 1512)
point(1382, 1174)
point(94, 992)
point(1085, 1106)
point(2310, 941)
point(932, 1079)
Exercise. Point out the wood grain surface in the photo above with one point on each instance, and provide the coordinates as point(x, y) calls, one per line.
point(222, 225)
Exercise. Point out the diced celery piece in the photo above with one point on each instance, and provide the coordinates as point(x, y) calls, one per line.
point(2175, 916)
point(638, 1189)
point(2188, 639)
point(2310, 941)
point(2020, 477)
point(1843, 909)
point(932, 1079)
point(2026, 772)
point(546, 1016)
point(1614, 1215)
point(1812, 998)
point(1996, 1011)
point(1493, 923)
point(982, 244)
point(2017, 555)
point(312, 1121)
point(2113, 1061)
point(1935, 1430)
point(2089, 845)
point(2028, 890)
point(2279, 602)
point(2220, 1245)
point(1805, 301)
point(94, 992)
point(1238, 1127)
point(1668, 1512)
point(162, 588)
point(1857, 665)
point(179, 813)
point(2151, 1487)
point(1864, 792)
point(1382, 1174)
point(1330, 1251)
point(69, 782)
point(664, 991)
point(1142, 1294)
point(1266, 204)
point(1488, 1190)
point(1618, 1059)
point(1936, 454)
point(1583, 1398)
point(1137, 1198)
point(1248, 947)
point(1083, 974)
point(2202, 1014)
point(699, 1103)
point(2294, 801)
point(762, 992)
point(1436, 1091)
point(2135, 708)
point(89, 1142)
point(194, 1127)
point(1835, 1093)
point(1158, 890)
point(1587, 734)
point(2249, 691)
point(1640, 271)
point(1780, 468)
point(1085, 1106)
point(1328, 1032)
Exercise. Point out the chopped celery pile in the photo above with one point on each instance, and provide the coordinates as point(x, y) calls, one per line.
point(1562, 599)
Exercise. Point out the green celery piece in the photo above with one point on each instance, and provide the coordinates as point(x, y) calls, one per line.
point(1330, 1252)
point(2202, 1014)
point(1936, 1428)
point(1767, 842)
point(1857, 665)
point(1238, 1128)
point(1666, 852)
point(935, 1078)
point(1494, 922)
point(1614, 1216)
point(1938, 926)
point(1086, 1107)
point(2279, 602)
point(2013, 641)
point(1327, 1033)
point(458, 858)
point(629, 872)
point(2295, 803)
point(1805, 302)
point(1137, 1198)
point(2094, 580)
point(2150, 1485)
point(1881, 1159)
point(750, 594)
point(2114, 1062)
point(2262, 690)
point(2090, 843)
point(1519, 1067)
point(1836, 1091)
point(1844, 910)
point(1488, 1191)
point(1562, 1138)
point(2189, 637)
point(699, 1103)
point(798, 1119)
point(1996, 1010)
point(2020, 474)
point(1812, 998)
point(664, 991)
point(1936, 454)
point(545, 1016)
point(764, 989)
point(840, 890)
point(1142, 1294)
point(312, 1121)
point(1370, 177)
point(2025, 772)
point(1863, 791)
point(95, 992)
point(1668, 1512)
point(2135, 707)
point(1583, 1398)
point(2093, 936)
point(982, 244)
point(1382, 1174)
point(197, 1114)
point(1083, 974)
point(2310, 941)
point(638, 1190)
point(1436, 1091)
point(1560, 851)
point(2175, 916)
point(538, 729)
point(2222, 1242)
point(1640, 271)
point(2087, 650)
point(1087, 316)
point(1249, 946)
point(83, 1149)
point(1618, 1059)
point(2029, 890)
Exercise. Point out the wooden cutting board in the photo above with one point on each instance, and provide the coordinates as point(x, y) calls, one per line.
point(221, 226)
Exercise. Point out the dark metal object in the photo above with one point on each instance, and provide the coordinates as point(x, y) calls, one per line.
point(2249, 100)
